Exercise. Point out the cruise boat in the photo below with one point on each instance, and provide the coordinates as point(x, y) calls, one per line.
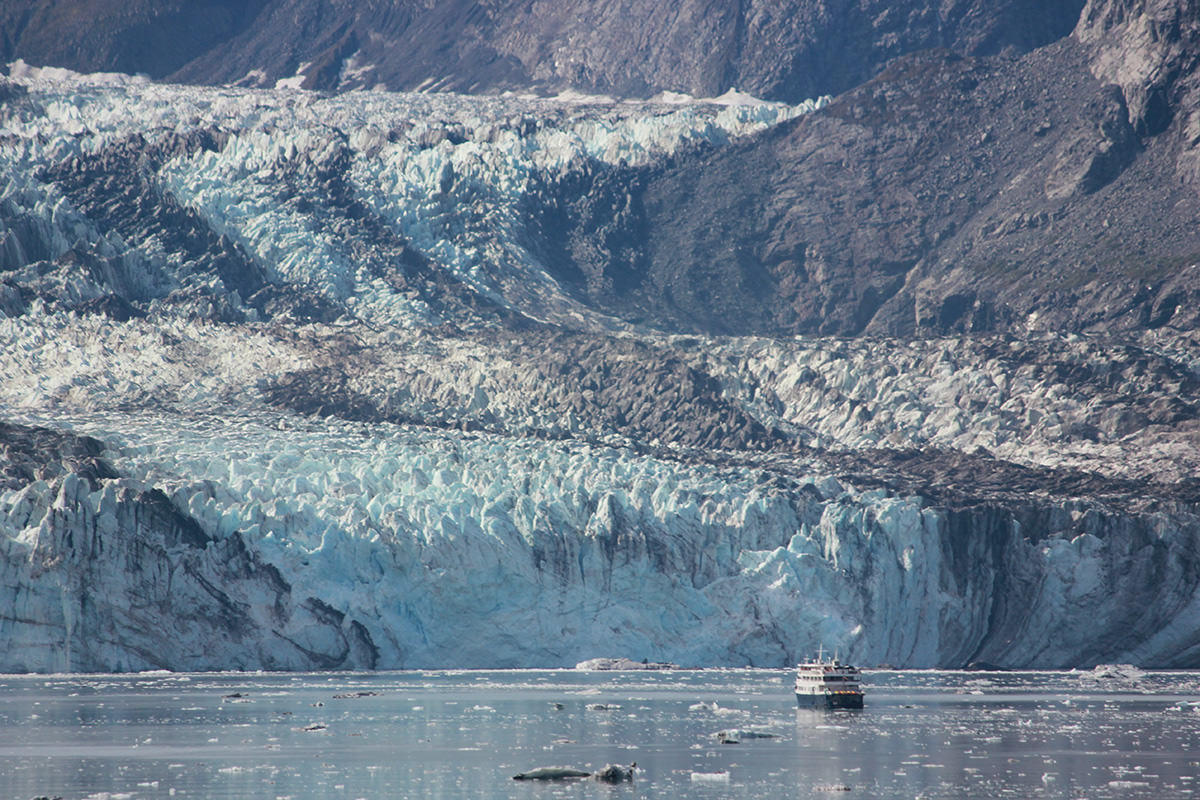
point(828, 683)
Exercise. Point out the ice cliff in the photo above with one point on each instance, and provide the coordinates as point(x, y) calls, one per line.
point(282, 544)
point(292, 381)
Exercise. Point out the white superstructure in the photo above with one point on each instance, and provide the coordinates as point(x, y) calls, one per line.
point(828, 684)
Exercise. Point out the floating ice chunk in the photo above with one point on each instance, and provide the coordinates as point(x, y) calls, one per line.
point(710, 777)
point(736, 735)
point(1120, 672)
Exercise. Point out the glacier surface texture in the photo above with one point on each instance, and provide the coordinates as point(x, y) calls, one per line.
point(296, 381)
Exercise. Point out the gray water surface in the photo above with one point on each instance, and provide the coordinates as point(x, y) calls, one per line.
point(1109, 733)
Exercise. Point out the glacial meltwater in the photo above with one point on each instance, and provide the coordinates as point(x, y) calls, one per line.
point(1113, 732)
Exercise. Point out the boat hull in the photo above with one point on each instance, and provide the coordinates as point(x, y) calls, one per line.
point(830, 701)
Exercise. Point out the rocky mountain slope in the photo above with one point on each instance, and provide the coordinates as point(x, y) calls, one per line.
point(790, 50)
point(947, 194)
point(294, 379)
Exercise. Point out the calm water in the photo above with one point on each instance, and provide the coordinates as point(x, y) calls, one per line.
point(464, 734)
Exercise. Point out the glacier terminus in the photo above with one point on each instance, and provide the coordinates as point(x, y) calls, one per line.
point(293, 380)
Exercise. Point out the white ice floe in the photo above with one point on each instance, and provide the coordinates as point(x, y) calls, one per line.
point(710, 777)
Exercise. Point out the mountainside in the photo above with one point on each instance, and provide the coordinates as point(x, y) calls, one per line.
point(789, 51)
point(945, 195)
point(310, 380)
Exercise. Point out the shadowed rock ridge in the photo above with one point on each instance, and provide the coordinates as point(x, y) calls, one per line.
point(793, 50)
point(945, 195)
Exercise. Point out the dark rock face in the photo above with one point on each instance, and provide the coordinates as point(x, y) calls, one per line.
point(1149, 49)
point(794, 50)
point(156, 37)
point(947, 194)
point(31, 454)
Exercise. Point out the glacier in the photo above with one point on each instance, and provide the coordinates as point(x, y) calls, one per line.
point(415, 160)
point(287, 383)
point(437, 550)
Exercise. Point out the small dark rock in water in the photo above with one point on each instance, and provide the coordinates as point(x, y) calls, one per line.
point(558, 706)
point(235, 696)
point(615, 773)
point(316, 726)
point(551, 774)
